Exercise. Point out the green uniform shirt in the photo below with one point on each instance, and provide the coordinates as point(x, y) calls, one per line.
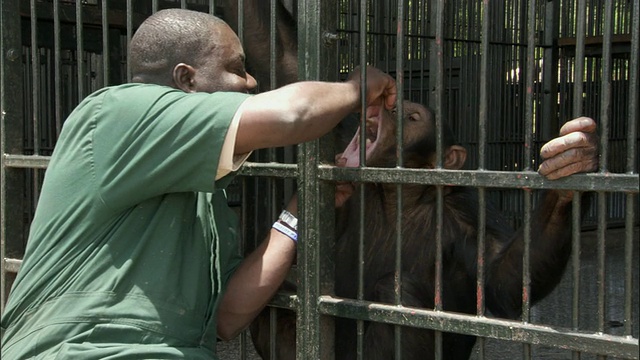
point(132, 242)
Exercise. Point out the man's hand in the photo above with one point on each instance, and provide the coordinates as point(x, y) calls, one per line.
point(381, 87)
point(574, 151)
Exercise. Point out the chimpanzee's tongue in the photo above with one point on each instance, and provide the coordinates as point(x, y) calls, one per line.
point(351, 155)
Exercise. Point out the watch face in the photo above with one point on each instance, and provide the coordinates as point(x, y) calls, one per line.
point(289, 219)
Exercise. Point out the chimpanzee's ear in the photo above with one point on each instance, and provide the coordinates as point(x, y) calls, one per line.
point(184, 77)
point(454, 157)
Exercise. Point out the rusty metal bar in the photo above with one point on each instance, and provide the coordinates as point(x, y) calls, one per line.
point(482, 146)
point(605, 112)
point(492, 179)
point(80, 50)
point(528, 147)
point(272, 44)
point(400, 56)
point(438, 54)
point(578, 89)
point(12, 131)
point(241, 21)
point(35, 80)
point(618, 346)
point(105, 42)
point(363, 135)
point(129, 35)
point(495, 179)
point(57, 87)
point(632, 155)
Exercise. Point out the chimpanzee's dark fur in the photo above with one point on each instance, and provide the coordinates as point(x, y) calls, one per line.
point(549, 252)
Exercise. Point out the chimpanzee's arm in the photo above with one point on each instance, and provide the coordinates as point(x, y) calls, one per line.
point(549, 252)
point(574, 151)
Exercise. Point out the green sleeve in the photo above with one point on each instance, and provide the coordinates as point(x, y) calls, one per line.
point(153, 140)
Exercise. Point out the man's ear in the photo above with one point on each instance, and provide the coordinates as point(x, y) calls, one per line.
point(184, 77)
point(454, 157)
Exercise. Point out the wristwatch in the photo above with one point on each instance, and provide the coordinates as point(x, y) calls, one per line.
point(289, 219)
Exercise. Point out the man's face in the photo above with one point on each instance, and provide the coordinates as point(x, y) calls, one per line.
point(224, 70)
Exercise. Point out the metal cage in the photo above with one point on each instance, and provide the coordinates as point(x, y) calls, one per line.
point(505, 75)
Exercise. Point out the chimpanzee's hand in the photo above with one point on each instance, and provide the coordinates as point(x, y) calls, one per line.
point(344, 189)
point(574, 151)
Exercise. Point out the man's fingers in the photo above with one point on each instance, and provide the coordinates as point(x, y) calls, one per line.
point(390, 94)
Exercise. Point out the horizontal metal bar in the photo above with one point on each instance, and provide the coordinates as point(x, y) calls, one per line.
point(618, 346)
point(285, 301)
point(608, 182)
point(270, 169)
point(249, 168)
point(12, 265)
point(26, 161)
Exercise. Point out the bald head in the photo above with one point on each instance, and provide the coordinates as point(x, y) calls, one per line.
point(170, 37)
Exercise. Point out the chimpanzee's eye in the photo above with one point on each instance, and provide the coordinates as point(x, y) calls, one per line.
point(394, 110)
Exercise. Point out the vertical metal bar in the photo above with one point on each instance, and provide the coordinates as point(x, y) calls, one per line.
point(438, 53)
point(105, 42)
point(80, 49)
point(183, 4)
point(57, 89)
point(605, 103)
point(35, 80)
point(363, 136)
point(272, 44)
point(549, 90)
point(35, 98)
point(271, 154)
point(632, 136)
point(154, 6)
point(399, 163)
point(241, 21)
point(482, 144)
point(605, 111)
point(578, 89)
point(12, 121)
point(129, 35)
point(528, 146)
point(578, 74)
point(317, 337)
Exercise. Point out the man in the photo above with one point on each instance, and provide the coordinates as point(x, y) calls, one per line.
point(133, 251)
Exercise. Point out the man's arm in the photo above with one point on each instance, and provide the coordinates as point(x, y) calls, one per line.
point(305, 111)
point(289, 115)
point(256, 281)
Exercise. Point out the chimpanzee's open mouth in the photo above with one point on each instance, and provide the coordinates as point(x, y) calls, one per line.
point(351, 155)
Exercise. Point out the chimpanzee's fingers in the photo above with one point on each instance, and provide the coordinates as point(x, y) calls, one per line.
point(569, 141)
point(344, 190)
point(572, 161)
point(581, 124)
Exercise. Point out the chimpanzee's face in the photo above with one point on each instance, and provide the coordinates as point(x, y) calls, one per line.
point(381, 128)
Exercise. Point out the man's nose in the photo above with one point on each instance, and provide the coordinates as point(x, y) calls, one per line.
point(251, 82)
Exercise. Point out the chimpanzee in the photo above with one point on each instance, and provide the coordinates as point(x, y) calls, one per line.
point(574, 151)
point(256, 31)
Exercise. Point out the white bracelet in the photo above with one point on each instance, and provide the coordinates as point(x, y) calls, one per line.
point(285, 230)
